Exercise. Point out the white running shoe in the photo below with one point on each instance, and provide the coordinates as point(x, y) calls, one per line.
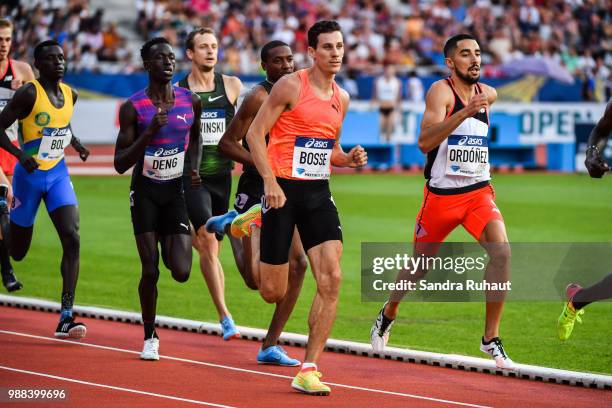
point(379, 335)
point(150, 350)
point(495, 349)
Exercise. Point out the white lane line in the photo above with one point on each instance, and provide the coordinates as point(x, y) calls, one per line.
point(112, 387)
point(244, 370)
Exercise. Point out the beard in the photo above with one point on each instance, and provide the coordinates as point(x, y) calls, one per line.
point(467, 78)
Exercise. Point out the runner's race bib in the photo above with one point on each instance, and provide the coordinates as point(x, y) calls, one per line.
point(312, 158)
point(213, 126)
point(163, 163)
point(467, 156)
point(53, 143)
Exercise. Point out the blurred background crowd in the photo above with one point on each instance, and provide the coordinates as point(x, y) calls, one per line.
point(105, 35)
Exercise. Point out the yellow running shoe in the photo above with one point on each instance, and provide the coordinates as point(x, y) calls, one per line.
point(241, 226)
point(309, 383)
point(569, 316)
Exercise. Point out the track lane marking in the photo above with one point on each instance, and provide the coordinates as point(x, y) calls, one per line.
point(244, 370)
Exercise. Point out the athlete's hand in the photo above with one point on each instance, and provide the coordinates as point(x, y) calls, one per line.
point(196, 180)
point(477, 104)
point(28, 162)
point(595, 164)
point(16, 83)
point(358, 157)
point(82, 151)
point(274, 195)
point(159, 121)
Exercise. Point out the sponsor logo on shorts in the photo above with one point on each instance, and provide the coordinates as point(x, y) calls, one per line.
point(42, 118)
point(264, 205)
point(241, 200)
point(420, 231)
point(332, 200)
point(15, 203)
point(184, 225)
point(131, 198)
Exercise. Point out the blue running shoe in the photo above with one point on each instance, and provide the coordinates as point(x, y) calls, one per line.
point(229, 329)
point(217, 224)
point(276, 355)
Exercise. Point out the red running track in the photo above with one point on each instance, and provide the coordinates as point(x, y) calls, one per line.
point(104, 370)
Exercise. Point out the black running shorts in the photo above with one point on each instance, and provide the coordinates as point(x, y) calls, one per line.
point(249, 192)
point(209, 199)
point(158, 208)
point(310, 207)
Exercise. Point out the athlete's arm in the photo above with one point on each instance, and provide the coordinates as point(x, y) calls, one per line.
point(75, 142)
point(283, 96)
point(233, 87)
point(23, 73)
point(357, 156)
point(434, 127)
point(598, 139)
point(194, 149)
point(18, 107)
point(130, 146)
point(230, 145)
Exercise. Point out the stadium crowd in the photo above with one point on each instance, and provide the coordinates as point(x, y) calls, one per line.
point(407, 33)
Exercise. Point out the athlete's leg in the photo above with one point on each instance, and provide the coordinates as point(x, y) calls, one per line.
point(147, 288)
point(495, 241)
point(239, 254)
point(325, 265)
point(66, 222)
point(177, 255)
point(20, 239)
point(599, 291)
point(297, 269)
point(208, 248)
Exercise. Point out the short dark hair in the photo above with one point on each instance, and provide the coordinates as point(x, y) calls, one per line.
point(321, 27)
point(451, 44)
point(146, 48)
point(269, 47)
point(190, 37)
point(42, 45)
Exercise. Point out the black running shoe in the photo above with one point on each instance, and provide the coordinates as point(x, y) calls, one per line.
point(68, 328)
point(10, 282)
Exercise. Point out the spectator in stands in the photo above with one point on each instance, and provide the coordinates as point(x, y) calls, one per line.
point(414, 88)
point(387, 97)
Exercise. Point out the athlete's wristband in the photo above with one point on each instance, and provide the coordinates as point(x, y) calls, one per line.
point(593, 147)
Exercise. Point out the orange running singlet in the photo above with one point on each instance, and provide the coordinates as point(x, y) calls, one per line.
point(302, 139)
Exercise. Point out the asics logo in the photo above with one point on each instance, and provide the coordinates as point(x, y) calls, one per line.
point(463, 141)
point(183, 118)
point(163, 152)
point(316, 143)
point(215, 98)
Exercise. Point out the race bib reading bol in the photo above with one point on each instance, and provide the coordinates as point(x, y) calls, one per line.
point(467, 155)
point(53, 143)
point(163, 163)
point(312, 158)
point(213, 126)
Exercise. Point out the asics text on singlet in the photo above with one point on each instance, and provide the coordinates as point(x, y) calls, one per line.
point(164, 156)
point(461, 162)
point(302, 139)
